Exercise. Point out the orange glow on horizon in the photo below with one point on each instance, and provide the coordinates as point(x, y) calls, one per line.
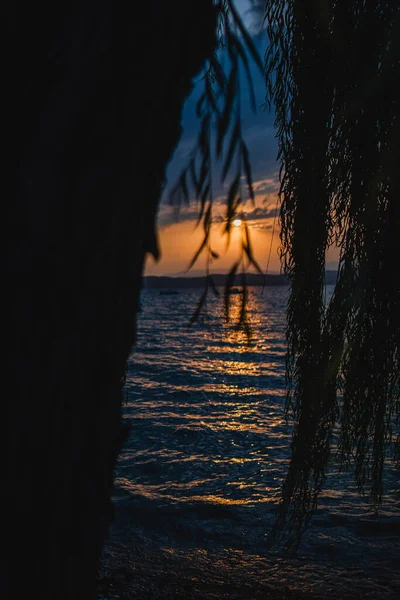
point(179, 242)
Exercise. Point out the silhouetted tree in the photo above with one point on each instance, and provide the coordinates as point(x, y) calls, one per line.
point(331, 70)
point(96, 92)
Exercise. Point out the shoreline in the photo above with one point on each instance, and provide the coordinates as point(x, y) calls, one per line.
point(167, 574)
point(138, 564)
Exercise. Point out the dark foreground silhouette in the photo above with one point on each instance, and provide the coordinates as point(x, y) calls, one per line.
point(97, 94)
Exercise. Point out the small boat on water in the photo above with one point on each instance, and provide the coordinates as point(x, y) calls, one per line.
point(168, 292)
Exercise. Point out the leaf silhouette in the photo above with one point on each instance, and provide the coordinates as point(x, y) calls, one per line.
point(230, 280)
point(193, 174)
point(247, 170)
point(199, 307)
point(184, 187)
point(198, 252)
point(217, 72)
point(231, 150)
point(249, 251)
point(241, 52)
point(224, 119)
point(212, 285)
point(246, 36)
point(200, 104)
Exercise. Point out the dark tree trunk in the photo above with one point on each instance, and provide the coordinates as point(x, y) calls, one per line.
point(97, 91)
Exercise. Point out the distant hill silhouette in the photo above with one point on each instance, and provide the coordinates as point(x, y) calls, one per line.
point(253, 279)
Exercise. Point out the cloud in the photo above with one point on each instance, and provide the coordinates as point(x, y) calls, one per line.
point(259, 216)
point(269, 185)
point(252, 13)
point(170, 215)
point(262, 217)
point(260, 213)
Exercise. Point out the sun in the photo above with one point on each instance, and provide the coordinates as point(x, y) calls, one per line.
point(237, 222)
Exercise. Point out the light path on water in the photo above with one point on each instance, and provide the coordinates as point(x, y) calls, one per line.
point(209, 445)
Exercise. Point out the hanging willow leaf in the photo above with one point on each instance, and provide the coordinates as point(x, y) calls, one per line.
point(204, 135)
point(235, 43)
point(198, 252)
point(193, 174)
point(210, 95)
point(246, 36)
point(203, 176)
point(184, 187)
point(212, 285)
point(247, 170)
point(232, 194)
point(199, 307)
point(232, 203)
point(200, 104)
point(205, 194)
point(217, 72)
point(243, 322)
point(247, 247)
point(225, 118)
point(230, 280)
point(207, 221)
point(175, 195)
point(203, 199)
point(235, 139)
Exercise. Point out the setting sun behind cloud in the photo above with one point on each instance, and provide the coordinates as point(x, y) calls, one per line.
point(180, 240)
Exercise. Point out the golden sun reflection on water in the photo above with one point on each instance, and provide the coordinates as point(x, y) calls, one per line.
point(236, 354)
point(214, 397)
point(237, 367)
point(210, 445)
point(214, 499)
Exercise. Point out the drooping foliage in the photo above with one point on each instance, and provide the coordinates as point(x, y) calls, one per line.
point(220, 139)
point(331, 70)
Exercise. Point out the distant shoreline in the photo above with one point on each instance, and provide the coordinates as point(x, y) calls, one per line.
point(253, 279)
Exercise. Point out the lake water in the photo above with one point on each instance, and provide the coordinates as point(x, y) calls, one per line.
point(208, 449)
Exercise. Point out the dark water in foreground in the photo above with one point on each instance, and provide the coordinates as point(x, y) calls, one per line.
point(202, 468)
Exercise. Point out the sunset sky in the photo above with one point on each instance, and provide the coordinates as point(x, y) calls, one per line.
point(178, 236)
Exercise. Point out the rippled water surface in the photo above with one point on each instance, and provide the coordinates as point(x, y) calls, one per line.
point(209, 444)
